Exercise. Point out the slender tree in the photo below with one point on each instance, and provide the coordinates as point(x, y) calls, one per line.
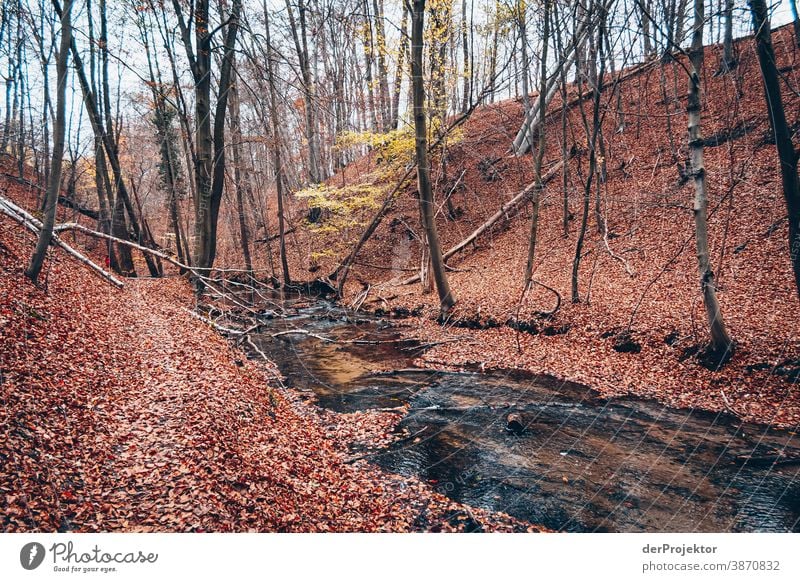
point(398, 74)
point(728, 57)
point(300, 38)
point(721, 344)
point(273, 104)
point(795, 21)
point(59, 131)
point(539, 156)
point(787, 156)
point(209, 137)
point(427, 207)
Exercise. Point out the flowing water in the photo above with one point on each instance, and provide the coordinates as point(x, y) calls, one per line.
point(581, 464)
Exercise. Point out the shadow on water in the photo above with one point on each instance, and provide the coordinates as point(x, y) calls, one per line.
point(581, 463)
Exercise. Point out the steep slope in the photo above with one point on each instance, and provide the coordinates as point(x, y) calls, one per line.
point(646, 264)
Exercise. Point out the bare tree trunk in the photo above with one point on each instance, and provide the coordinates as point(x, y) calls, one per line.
point(680, 20)
point(521, 9)
point(309, 91)
point(795, 21)
point(721, 343)
point(643, 11)
point(220, 112)
point(446, 299)
point(383, 75)
point(273, 103)
point(592, 133)
point(728, 57)
point(59, 131)
point(238, 174)
point(537, 167)
point(10, 84)
point(119, 226)
point(493, 60)
point(398, 74)
point(787, 155)
point(466, 97)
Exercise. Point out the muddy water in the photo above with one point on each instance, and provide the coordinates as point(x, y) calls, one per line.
point(582, 464)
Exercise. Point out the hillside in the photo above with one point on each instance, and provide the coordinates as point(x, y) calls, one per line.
point(647, 208)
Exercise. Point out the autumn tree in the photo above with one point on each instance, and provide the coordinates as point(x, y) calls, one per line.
point(59, 131)
point(210, 152)
point(787, 155)
point(539, 156)
point(721, 343)
point(427, 207)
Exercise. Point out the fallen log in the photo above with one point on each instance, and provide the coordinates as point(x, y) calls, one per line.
point(23, 217)
point(70, 203)
point(275, 236)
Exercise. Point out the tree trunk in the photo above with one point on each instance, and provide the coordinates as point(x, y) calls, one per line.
point(521, 8)
point(398, 74)
point(537, 166)
point(466, 98)
point(592, 134)
point(383, 75)
point(273, 104)
point(728, 57)
point(795, 21)
point(239, 176)
point(720, 341)
point(59, 131)
point(423, 169)
point(787, 156)
point(220, 111)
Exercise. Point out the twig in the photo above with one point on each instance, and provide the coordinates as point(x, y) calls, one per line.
point(302, 332)
point(728, 405)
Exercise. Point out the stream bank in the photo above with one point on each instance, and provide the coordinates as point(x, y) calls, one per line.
point(581, 463)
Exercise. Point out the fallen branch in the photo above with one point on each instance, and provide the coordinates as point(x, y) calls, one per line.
point(262, 354)
point(275, 236)
point(429, 345)
point(617, 257)
point(504, 212)
point(23, 217)
point(728, 406)
point(553, 311)
point(302, 332)
point(359, 300)
point(197, 272)
point(70, 203)
point(340, 273)
point(214, 324)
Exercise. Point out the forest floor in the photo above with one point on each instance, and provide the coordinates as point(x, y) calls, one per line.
point(638, 277)
point(120, 411)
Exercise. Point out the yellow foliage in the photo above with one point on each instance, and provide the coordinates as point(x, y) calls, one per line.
point(346, 208)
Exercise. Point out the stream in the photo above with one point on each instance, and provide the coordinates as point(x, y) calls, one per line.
point(581, 464)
